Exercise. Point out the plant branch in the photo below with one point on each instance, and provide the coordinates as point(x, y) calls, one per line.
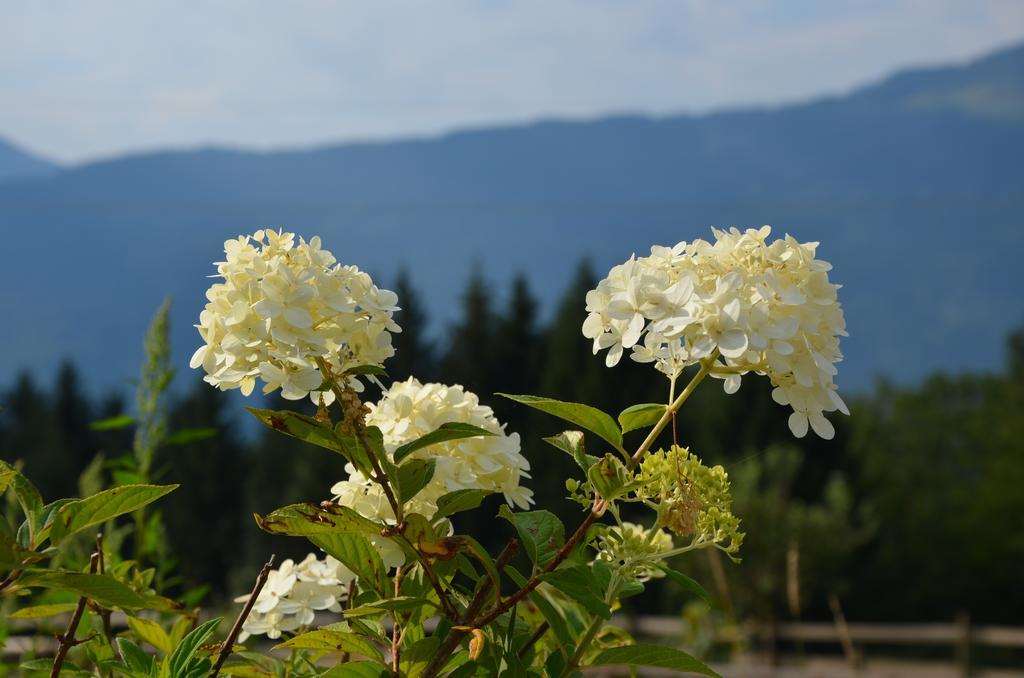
point(10, 579)
point(108, 630)
point(395, 630)
point(480, 597)
point(66, 640)
point(535, 580)
point(666, 417)
point(381, 478)
point(582, 647)
point(229, 642)
point(449, 607)
point(352, 589)
point(537, 635)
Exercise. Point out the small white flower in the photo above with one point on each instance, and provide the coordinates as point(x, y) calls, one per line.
point(293, 594)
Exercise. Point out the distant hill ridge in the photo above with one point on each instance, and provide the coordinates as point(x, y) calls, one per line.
point(914, 186)
point(16, 163)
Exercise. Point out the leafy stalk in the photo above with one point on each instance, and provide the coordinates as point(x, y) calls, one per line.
point(151, 424)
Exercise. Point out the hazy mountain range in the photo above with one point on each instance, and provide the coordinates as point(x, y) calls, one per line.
point(914, 186)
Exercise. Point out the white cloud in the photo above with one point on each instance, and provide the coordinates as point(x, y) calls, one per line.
point(79, 80)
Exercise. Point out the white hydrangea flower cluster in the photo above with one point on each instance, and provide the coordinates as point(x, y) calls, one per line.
point(281, 306)
point(635, 549)
point(409, 410)
point(293, 593)
point(766, 308)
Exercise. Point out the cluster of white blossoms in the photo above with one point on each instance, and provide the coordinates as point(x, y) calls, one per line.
point(635, 549)
point(293, 593)
point(761, 307)
point(409, 410)
point(282, 306)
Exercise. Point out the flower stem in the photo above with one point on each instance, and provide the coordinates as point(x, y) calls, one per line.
point(577, 656)
point(595, 626)
point(705, 368)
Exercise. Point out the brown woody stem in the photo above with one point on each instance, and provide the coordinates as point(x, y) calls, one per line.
point(455, 636)
point(537, 635)
point(229, 642)
point(535, 580)
point(108, 630)
point(66, 640)
point(380, 477)
point(435, 582)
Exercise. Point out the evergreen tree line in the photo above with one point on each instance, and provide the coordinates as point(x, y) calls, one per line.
point(913, 512)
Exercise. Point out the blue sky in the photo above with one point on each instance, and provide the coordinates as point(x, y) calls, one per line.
point(82, 80)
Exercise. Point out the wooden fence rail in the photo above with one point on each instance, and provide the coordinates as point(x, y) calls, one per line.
point(960, 635)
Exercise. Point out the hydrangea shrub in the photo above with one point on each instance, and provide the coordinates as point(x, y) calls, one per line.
point(406, 593)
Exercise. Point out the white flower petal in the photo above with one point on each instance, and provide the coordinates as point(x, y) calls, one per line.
point(798, 424)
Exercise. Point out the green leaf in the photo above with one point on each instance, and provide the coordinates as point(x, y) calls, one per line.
point(13, 556)
point(480, 553)
point(331, 640)
point(44, 519)
point(686, 582)
point(452, 430)
point(398, 604)
point(186, 436)
point(102, 588)
point(548, 610)
point(5, 479)
point(413, 476)
point(99, 508)
point(358, 670)
point(579, 583)
point(654, 656)
point(237, 669)
point(417, 655)
point(305, 428)
point(611, 479)
point(135, 658)
point(43, 665)
point(644, 415)
point(42, 611)
point(362, 447)
point(307, 520)
point(571, 442)
point(151, 632)
point(28, 497)
point(630, 589)
point(590, 418)
point(113, 423)
point(358, 554)
point(459, 500)
point(541, 532)
point(178, 662)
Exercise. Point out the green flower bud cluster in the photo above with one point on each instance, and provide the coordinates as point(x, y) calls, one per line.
point(634, 549)
point(693, 500)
